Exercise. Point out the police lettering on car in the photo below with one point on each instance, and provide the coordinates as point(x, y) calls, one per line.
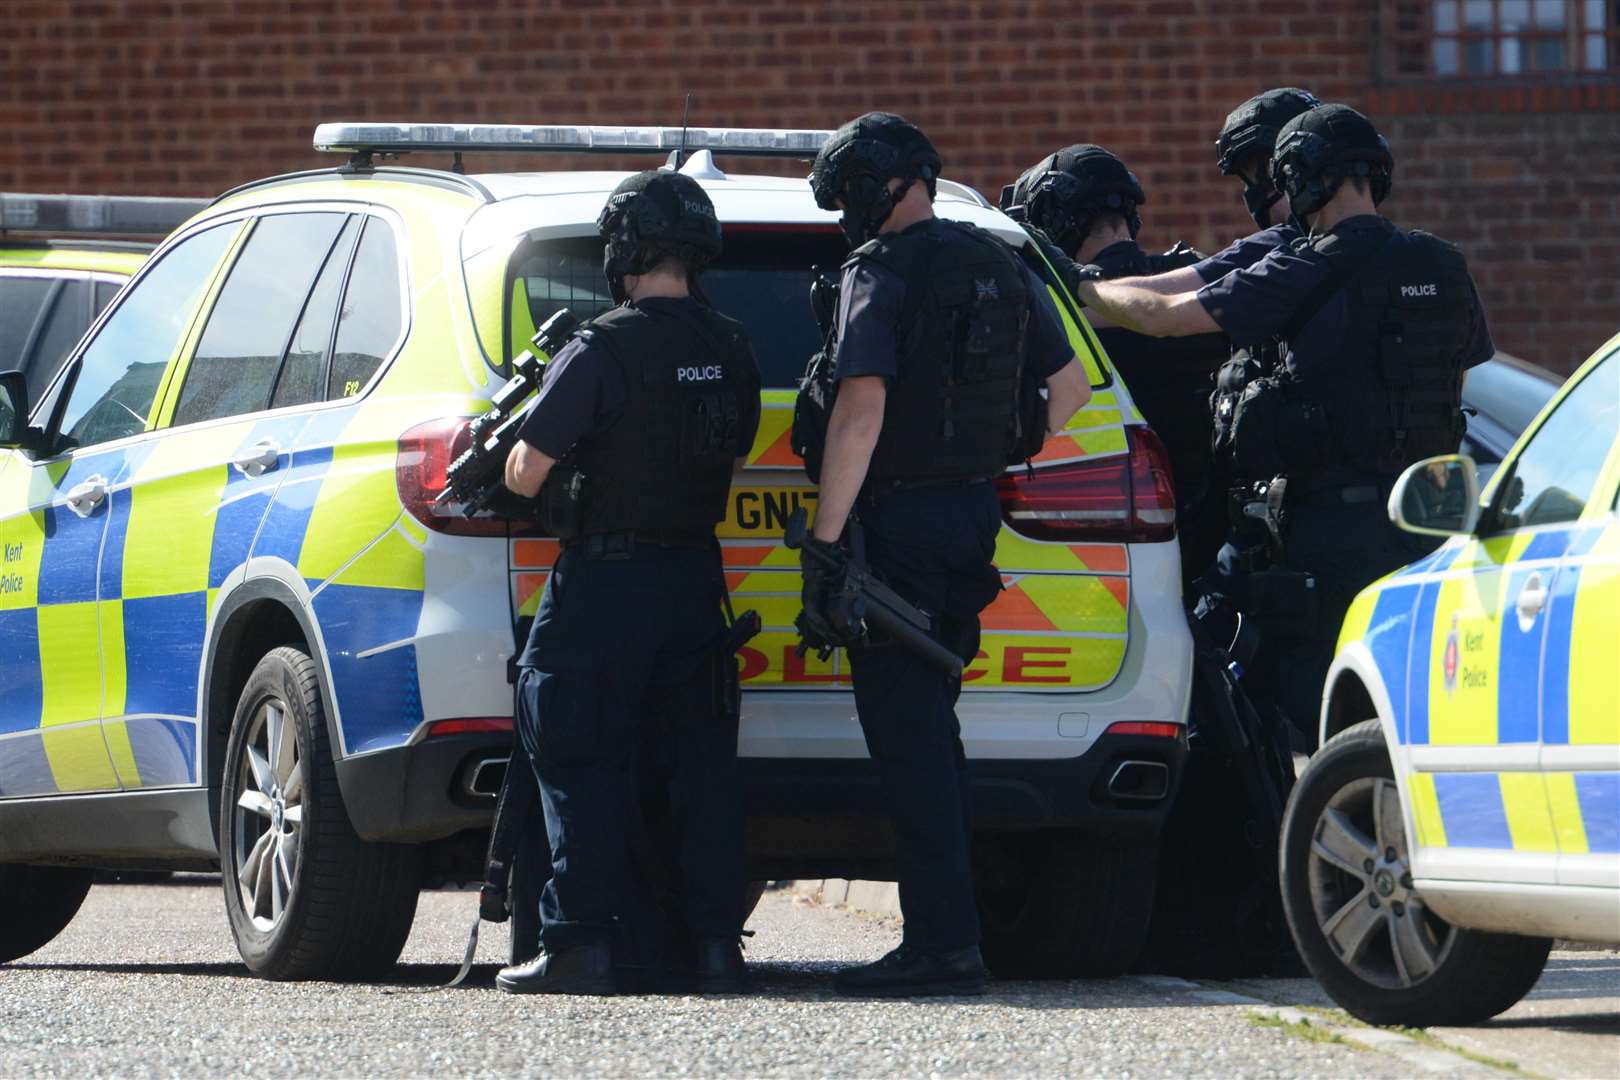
point(1369, 382)
point(937, 328)
point(1085, 201)
point(632, 444)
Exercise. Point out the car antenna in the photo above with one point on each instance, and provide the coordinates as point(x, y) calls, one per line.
point(686, 112)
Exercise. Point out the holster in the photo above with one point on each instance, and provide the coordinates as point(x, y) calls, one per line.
point(561, 501)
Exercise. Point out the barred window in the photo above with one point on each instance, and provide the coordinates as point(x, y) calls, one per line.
point(1481, 38)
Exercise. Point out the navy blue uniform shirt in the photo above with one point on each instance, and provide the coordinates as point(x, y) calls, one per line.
point(1255, 304)
point(869, 303)
point(1244, 253)
point(584, 392)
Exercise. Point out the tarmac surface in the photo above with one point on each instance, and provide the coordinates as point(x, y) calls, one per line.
point(147, 982)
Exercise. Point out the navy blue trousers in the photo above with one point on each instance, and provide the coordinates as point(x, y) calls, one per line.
point(621, 681)
point(934, 547)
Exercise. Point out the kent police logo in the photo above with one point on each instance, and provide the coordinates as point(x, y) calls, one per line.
point(1449, 665)
point(987, 288)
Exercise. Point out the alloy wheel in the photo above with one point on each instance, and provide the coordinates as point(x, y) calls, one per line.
point(269, 815)
point(1362, 893)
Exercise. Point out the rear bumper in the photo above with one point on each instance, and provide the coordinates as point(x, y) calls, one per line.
point(417, 793)
point(829, 817)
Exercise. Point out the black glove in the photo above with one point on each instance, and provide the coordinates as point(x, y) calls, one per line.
point(821, 582)
point(1071, 272)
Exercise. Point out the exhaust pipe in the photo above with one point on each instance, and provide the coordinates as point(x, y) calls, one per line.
point(1140, 781)
point(484, 780)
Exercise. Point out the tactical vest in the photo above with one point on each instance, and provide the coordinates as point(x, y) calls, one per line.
point(1390, 393)
point(664, 466)
point(952, 412)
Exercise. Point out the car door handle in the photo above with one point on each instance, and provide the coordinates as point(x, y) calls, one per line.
point(83, 498)
point(1532, 598)
point(258, 459)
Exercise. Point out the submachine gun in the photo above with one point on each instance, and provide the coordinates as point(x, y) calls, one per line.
point(862, 599)
point(474, 480)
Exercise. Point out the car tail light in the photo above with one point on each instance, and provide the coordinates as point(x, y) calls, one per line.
point(425, 454)
point(1124, 499)
point(468, 725)
point(1152, 728)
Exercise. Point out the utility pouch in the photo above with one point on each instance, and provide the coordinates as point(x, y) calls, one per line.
point(811, 411)
point(562, 501)
point(1255, 417)
point(709, 430)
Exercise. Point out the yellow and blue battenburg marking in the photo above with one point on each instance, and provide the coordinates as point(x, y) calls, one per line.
point(1463, 667)
point(103, 618)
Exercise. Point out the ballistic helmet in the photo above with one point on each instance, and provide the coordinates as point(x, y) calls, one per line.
point(1317, 150)
point(857, 163)
point(1064, 193)
point(655, 215)
point(1251, 129)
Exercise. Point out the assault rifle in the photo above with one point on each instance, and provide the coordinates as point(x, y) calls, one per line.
point(861, 599)
point(475, 478)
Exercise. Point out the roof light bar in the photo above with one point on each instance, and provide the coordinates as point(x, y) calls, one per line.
point(125, 215)
point(354, 138)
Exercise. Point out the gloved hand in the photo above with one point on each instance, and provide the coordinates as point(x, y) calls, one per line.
point(820, 582)
point(1070, 271)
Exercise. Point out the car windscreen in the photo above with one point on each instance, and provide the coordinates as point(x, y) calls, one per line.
point(761, 278)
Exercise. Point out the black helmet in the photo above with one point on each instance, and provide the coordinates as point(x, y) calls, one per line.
point(1251, 129)
point(1317, 150)
point(1065, 192)
point(860, 159)
point(653, 215)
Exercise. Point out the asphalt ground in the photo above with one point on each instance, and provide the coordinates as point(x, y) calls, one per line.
point(147, 982)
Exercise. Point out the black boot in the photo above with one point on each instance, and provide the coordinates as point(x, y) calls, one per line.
point(720, 968)
point(906, 972)
point(580, 969)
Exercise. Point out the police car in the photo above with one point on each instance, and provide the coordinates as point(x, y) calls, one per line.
point(60, 267)
point(1464, 809)
point(236, 630)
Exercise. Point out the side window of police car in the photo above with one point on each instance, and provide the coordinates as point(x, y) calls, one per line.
point(251, 327)
point(1554, 474)
point(371, 317)
point(117, 376)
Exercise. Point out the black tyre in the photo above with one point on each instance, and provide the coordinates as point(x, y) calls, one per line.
point(1061, 905)
point(36, 904)
point(1361, 928)
point(306, 897)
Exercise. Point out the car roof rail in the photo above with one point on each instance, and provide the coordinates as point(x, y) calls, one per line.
point(116, 215)
point(453, 181)
point(364, 140)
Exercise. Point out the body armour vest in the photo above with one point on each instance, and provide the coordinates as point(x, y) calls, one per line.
point(952, 412)
point(665, 465)
point(1169, 378)
point(1390, 392)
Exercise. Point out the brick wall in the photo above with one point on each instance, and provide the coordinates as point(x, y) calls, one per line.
point(193, 96)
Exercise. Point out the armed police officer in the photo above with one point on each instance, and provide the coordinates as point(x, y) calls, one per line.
point(1085, 201)
point(635, 436)
point(938, 323)
point(1377, 327)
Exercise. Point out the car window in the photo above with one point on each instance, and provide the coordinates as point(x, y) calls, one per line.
point(65, 324)
point(1554, 474)
point(234, 368)
point(119, 372)
point(20, 301)
point(761, 278)
point(105, 291)
point(371, 319)
point(303, 371)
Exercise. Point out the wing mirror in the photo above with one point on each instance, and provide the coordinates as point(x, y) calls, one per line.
point(1438, 496)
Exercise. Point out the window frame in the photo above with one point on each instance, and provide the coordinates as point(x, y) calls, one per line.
point(170, 395)
point(1573, 34)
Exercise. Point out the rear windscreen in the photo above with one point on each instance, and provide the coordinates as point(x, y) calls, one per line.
point(761, 278)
